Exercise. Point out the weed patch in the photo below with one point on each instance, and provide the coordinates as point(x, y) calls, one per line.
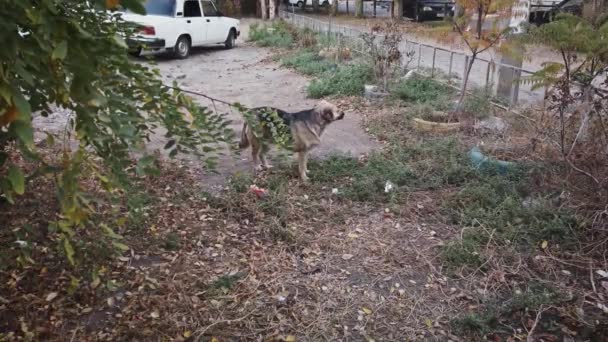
point(499, 312)
point(494, 210)
point(345, 80)
point(420, 89)
point(308, 62)
point(278, 34)
point(479, 103)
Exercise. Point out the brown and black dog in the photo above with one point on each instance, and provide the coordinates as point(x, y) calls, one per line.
point(304, 128)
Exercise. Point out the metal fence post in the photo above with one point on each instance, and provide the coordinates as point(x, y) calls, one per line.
point(419, 54)
point(488, 74)
point(450, 69)
point(515, 95)
point(433, 67)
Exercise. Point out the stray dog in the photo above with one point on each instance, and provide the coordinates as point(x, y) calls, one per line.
point(303, 128)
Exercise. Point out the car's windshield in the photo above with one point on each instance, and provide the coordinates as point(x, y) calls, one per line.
point(160, 7)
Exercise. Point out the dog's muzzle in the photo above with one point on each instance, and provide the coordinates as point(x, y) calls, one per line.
point(341, 116)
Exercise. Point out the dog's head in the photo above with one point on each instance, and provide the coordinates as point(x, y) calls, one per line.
point(328, 111)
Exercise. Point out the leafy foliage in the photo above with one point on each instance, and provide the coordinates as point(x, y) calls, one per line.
point(72, 55)
point(577, 99)
point(478, 34)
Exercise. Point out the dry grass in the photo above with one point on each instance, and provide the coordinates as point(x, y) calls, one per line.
point(303, 262)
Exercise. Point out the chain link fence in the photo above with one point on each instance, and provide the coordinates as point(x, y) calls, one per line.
point(446, 65)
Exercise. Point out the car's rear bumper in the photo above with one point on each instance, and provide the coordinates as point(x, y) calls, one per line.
point(145, 43)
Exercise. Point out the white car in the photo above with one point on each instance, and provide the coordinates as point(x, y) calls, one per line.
point(178, 25)
point(300, 3)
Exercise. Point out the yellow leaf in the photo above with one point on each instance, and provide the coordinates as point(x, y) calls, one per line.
point(213, 339)
point(544, 244)
point(111, 4)
point(187, 333)
point(290, 338)
point(367, 311)
point(428, 322)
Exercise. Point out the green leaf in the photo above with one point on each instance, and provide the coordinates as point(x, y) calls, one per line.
point(23, 107)
point(15, 176)
point(121, 42)
point(109, 232)
point(60, 51)
point(69, 250)
point(24, 132)
point(121, 246)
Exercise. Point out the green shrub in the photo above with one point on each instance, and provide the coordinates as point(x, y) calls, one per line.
point(479, 103)
point(420, 89)
point(308, 62)
point(346, 80)
point(492, 210)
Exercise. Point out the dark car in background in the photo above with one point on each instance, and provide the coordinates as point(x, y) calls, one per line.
point(421, 10)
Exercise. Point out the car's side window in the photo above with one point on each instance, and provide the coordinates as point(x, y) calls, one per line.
point(209, 9)
point(192, 9)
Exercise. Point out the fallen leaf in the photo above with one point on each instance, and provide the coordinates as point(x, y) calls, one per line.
point(187, 333)
point(602, 273)
point(290, 338)
point(347, 256)
point(51, 296)
point(544, 244)
point(213, 339)
point(428, 322)
point(154, 314)
point(367, 311)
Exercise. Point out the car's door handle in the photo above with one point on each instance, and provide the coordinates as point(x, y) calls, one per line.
point(188, 21)
point(208, 20)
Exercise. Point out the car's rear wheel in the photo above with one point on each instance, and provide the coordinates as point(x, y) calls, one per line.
point(231, 40)
point(135, 52)
point(182, 47)
point(300, 4)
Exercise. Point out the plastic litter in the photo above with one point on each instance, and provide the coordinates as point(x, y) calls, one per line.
point(260, 192)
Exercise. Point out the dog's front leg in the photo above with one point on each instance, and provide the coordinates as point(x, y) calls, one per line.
point(302, 161)
point(255, 155)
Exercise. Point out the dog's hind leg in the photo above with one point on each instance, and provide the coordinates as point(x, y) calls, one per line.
point(302, 161)
point(263, 151)
point(255, 155)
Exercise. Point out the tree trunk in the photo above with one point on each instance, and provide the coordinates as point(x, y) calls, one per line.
point(334, 8)
point(398, 9)
point(264, 9)
point(272, 9)
point(465, 82)
point(359, 8)
point(315, 5)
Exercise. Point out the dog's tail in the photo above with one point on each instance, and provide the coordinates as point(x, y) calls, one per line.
point(244, 143)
